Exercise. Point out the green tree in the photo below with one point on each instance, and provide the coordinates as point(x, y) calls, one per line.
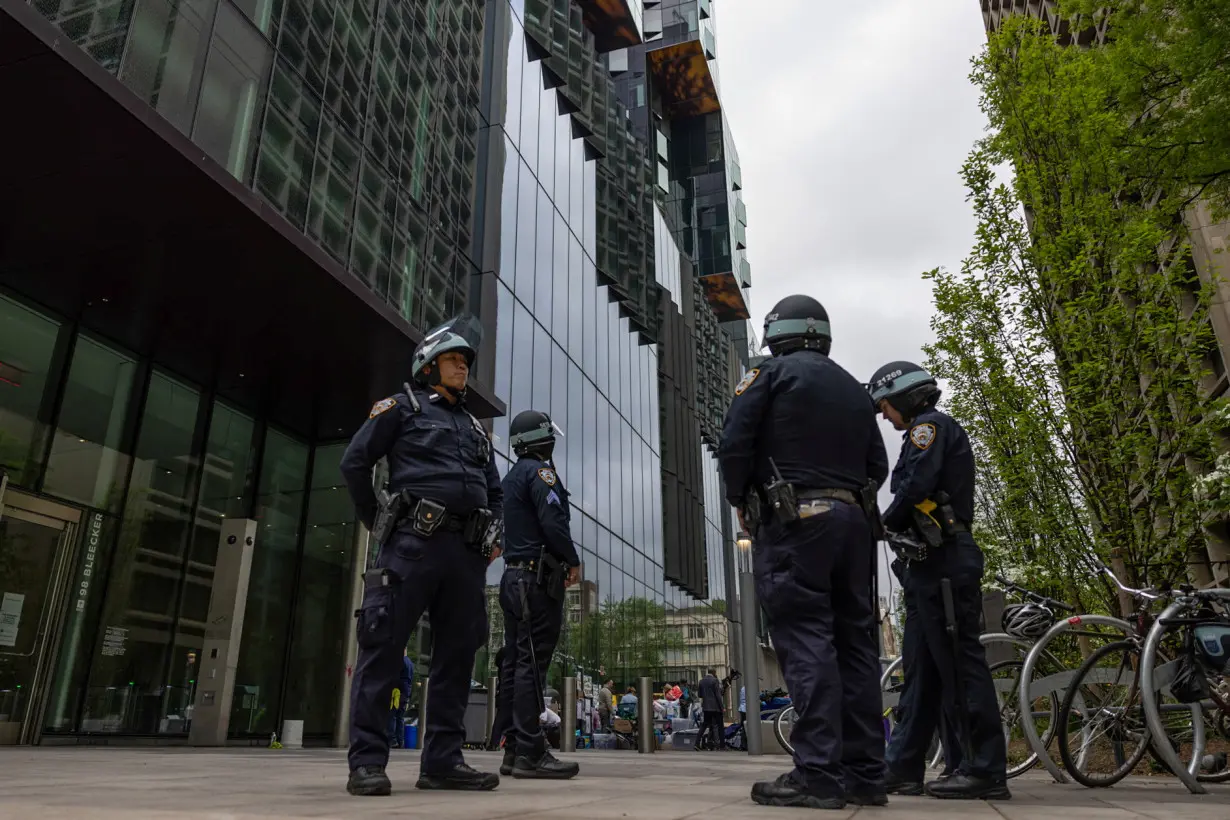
point(628, 637)
point(1076, 334)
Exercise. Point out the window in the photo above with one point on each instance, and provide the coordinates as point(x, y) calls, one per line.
point(231, 91)
point(165, 54)
point(321, 609)
point(531, 100)
point(87, 465)
point(544, 258)
point(511, 115)
point(563, 157)
point(225, 491)
point(503, 360)
point(559, 287)
point(260, 12)
point(27, 347)
point(279, 506)
point(508, 214)
point(547, 115)
point(527, 210)
point(132, 652)
point(521, 396)
point(288, 144)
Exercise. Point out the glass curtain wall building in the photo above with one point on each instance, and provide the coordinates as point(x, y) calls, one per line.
point(298, 188)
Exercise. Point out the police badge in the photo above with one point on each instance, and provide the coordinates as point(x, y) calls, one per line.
point(547, 475)
point(923, 436)
point(748, 378)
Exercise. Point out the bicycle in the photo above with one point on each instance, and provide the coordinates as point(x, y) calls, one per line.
point(1090, 699)
point(1189, 612)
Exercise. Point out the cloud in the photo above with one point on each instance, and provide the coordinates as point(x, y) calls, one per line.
point(852, 121)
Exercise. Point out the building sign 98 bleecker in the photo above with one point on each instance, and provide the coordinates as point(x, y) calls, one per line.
point(87, 566)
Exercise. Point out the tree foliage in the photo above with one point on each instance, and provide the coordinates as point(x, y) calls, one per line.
point(1075, 337)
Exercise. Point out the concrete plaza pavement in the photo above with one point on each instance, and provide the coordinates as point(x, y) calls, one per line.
point(161, 783)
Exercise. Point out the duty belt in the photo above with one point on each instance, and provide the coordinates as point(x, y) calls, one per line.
point(530, 565)
point(845, 496)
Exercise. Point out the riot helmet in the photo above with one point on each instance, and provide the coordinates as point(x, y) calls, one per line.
point(797, 323)
point(1029, 621)
point(533, 433)
point(908, 388)
point(462, 333)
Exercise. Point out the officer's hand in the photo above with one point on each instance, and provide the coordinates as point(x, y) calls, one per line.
point(496, 552)
point(742, 523)
point(574, 576)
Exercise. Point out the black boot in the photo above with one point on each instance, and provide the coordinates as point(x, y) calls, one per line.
point(546, 767)
point(896, 784)
point(460, 778)
point(867, 795)
point(369, 781)
point(787, 791)
point(510, 757)
point(967, 787)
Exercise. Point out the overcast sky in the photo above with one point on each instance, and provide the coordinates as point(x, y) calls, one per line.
point(852, 120)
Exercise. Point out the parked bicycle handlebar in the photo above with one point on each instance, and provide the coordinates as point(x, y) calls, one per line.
point(1146, 594)
point(1037, 598)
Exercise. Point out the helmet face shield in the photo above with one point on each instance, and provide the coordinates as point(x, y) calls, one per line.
point(541, 430)
point(463, 333)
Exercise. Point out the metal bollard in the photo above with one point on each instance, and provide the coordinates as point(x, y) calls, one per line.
point(644, 711)
point(568, 717)
point(493, 683)
point(748, 615)
point(422, 732)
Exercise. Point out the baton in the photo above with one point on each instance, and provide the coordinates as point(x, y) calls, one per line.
point(950, 626)
point(525, 618)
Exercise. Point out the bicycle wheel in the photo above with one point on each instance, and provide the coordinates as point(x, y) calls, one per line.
point(1006, 677)
point(1103, 708)
point(783, 725)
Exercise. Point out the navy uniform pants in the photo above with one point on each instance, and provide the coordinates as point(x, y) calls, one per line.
point(520, 703)
point(931, 669)
point(445, 579)
point(814, 582)
point(912, 702)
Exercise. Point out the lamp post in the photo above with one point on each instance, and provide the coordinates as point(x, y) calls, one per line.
point(749, 611)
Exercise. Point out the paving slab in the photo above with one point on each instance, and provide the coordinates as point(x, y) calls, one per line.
point(170, 783)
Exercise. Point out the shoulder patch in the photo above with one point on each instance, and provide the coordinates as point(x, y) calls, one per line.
point(381, 406)
point(748, 378)
point(547, 475)
point(923, 436)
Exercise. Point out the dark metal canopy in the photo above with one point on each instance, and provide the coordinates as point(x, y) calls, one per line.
point(112, 218)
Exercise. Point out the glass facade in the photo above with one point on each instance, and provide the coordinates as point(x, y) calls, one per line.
point(354, 119)
point(155, 464)
point(481, 155)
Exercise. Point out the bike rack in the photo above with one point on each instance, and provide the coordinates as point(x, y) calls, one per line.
point(1047, 685)
point(1153, 679)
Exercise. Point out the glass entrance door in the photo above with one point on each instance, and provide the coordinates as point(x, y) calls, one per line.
point(36, 537)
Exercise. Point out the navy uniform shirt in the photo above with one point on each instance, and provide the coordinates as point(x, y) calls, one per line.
point(536, 513)
point(812, 418)
point(436, 453)
point(935, 456)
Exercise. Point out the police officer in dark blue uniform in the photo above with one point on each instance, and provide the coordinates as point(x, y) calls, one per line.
point(801, 454)
point(438, 529)
point(540, 561)
point(933, 497)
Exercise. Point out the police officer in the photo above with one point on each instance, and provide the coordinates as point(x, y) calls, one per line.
point(800, 422)
point(437, 532)
point(933, 497)
point(540, 561)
